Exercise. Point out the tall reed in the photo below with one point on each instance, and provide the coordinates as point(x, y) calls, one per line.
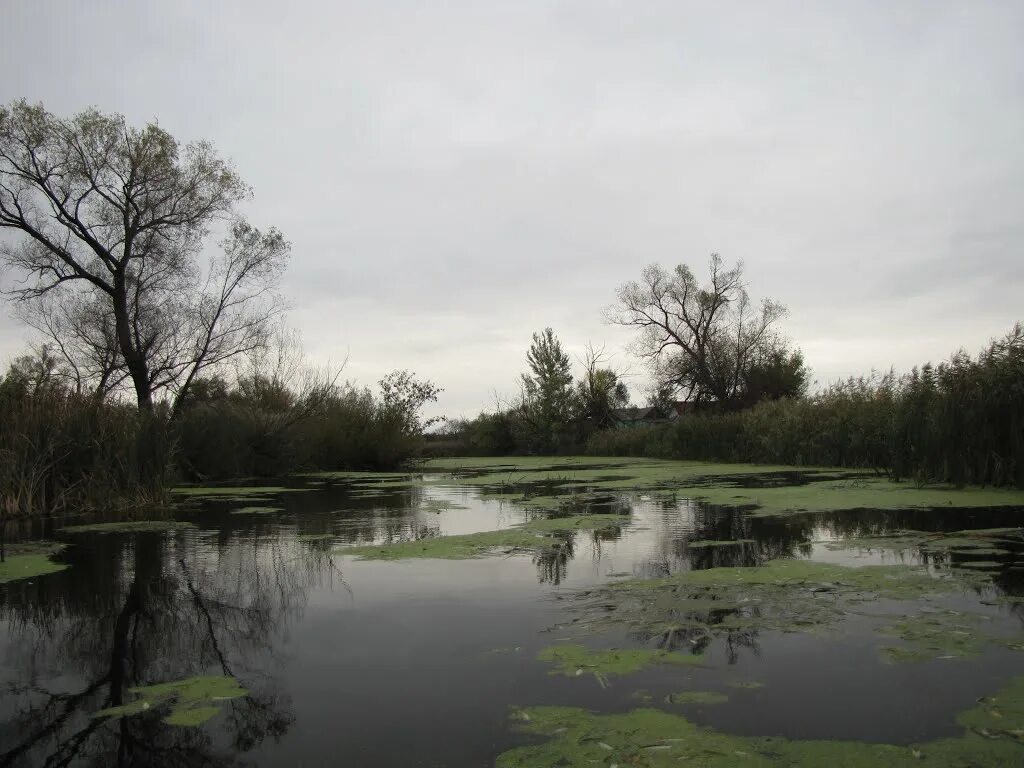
point(960, 422)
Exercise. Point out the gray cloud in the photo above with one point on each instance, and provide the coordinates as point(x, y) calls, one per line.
point(456, 177)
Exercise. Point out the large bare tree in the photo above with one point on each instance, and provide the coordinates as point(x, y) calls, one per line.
point(701, 340)
point(110, 226)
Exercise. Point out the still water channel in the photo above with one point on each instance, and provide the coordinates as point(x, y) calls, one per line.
point(418, 662)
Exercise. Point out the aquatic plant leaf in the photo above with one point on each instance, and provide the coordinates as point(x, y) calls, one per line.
point(192, 701)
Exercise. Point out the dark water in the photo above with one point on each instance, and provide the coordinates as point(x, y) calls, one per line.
point(416, 663)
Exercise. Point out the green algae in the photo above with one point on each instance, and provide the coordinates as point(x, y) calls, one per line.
point(943, 634)
point(257, 510)
point(893, 582)
point(30, 560)
point(533, 536)
point(992, 738)
point(233, 492)
point(819, 488)
point(696, 697)
point(191, 702)
point(575, 660)
point(691, 607)
point(128, 526)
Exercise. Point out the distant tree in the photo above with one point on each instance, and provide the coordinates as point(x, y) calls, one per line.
point(403, 397)
point(700, 340)
point(600, 391)
point(547, 399)
point(36, 372)
point(779, 373)
point(111, 225)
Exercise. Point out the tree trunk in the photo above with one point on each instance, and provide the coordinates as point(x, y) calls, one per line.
point(134, 358)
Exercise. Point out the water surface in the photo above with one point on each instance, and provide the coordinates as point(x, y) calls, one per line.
point(417, 662)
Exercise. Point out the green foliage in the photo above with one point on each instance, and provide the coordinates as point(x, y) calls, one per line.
point(961, 422)
point(60, 450)
point(546, 408)
point(598, 394)
point(264, 428)
point(777, 374)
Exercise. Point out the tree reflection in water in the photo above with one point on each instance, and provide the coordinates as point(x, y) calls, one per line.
point(134, 611)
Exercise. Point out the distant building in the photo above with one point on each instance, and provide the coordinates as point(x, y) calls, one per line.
point(634, 417)
point(680, 408)
point(645, 415)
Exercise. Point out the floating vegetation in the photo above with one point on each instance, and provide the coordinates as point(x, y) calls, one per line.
point(992, 738)
point(129, 526)
point(188, 702)
point(533, 536)
point(690, 608)
point(577, 660)
point(696, 697)
point(771, 490)
point(29, 560)
point(257, 510)
point(944, 634)
point(983, 542)
point(234, 492)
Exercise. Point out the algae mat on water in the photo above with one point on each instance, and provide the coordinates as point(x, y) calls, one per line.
point(29, 560)
point(693, 607)
point(128, 526)
point(533, 536)
point(188, 702)
point(992, 738)
point(773, 489)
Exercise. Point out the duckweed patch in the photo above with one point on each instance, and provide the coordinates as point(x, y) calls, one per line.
point(956, 546)
point(257, 510)
point(188, 702)
point(129, 526)
point(696, 697)
point(533, 536)
point(940, 635)
point(773, 490)
point(577, 660)
point(233, 492)
point(992, 738)
point(692, 607)
point(30, 560)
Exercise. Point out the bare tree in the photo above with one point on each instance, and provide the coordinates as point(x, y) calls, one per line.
point(111, 223)
point(699, 340)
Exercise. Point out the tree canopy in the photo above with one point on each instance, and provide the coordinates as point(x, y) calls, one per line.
point(706, 342)
point(111, 225)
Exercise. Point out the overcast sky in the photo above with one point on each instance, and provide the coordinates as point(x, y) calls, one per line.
point(454, 176)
